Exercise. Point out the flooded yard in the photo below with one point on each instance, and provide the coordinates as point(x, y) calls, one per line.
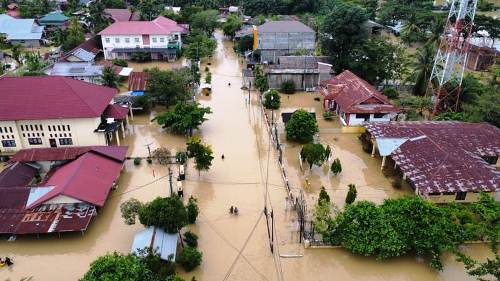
point(234, 247)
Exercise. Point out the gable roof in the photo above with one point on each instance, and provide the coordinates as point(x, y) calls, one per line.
point(443, 156)
point(53, 17)
point(284, 26)
point(158, 26)
point(68, 153)
point(51, 97)
point(17, 174)
point(88, 178)
point(118, 15)
point(355, 95)
point(86, 51)
point(79, 69)
point(138, 81)
point(116, 111)
point(20, 29)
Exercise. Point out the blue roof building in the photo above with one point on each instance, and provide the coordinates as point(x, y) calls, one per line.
point(21, 31)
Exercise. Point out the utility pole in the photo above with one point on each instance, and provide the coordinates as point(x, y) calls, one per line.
point(249, 87)
point(170, 181)
point(272, 231)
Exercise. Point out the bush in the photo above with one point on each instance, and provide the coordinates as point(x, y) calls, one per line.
point(351, 194)
point(181, 157)
point(301, 127)
point(208, 78)
point(336, 167)
point(328, 116)
point(323, 195)
point(191, 239)
point(141, 102)
point(288, 87)
point(190, 258)
point(137, 161)
point(120, 62)
point(272, 99)
point(192, 210)
point(391, 93)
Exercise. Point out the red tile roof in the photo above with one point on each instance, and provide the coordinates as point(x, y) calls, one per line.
point(137, 81)
point(444, 156)
point(122, 15)
point(51, 97)
point(355, 95)
point(158, 26)
point(117, 153)
point(116, 111)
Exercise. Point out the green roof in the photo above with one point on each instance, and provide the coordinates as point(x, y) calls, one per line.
point(54, 18)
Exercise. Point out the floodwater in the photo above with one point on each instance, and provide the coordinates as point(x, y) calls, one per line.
point(234, 247)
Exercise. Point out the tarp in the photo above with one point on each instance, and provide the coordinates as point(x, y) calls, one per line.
point(126, 71)
point(387, 145)
point(164, 243)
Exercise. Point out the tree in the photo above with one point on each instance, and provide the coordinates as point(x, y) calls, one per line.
point(489, 268)
point(342, 30)
point(199, 46)
point(191, 239)
point(181, 157)
point(208, 78)
point(72, 6)
point(272, 99)
point(16, 52)
point(261, 83)
point(288, 87)
point(34, 64)
point(118, 267)
point(422, 68)
point(351, 194)
point(301, 127)
point(59, 36)
point(232, 25)
point(377, 60)
point(391, 93)
point(130, 210)
point(149, 9)
point(336, 167)
point(323, 195)
point(192, 210)
point(184, 117)
point(201, 153)
point(109, 77)
point(162, 155)
point(206, 21)
point(411, 32)
point(167, 87)
point(97, 17)
point(120, 62)
point(322, 215)
point(244, 44)
point(370, 6)
point(167, 213)
point(75, 35)
point(313, 153)
point(190, 258)
point(304, 6)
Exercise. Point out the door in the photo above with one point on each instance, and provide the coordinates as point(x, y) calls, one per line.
point(53, 142)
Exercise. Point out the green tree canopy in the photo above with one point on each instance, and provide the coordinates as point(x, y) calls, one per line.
point(313, 153)
point(75, 35)
point(168, 87)
point(201, 153)
point(184, 117)
point(199, 45)
point(109, 77)
point(272, 99)
point(206, 21)
point(149, 9)
point(119, 267)
point(422, 68)
point(301, 127)
point(97, 17)
point(232, 25)
point(167, 213)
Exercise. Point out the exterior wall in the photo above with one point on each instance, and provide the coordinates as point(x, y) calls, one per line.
point(91, 79)
point(26, 43)
point(354, 121)
point(109, 42)
point(470, 197)
point(275, 44)
point(80, 131)
point(300, 80)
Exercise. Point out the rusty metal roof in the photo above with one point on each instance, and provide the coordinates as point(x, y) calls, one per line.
point(444, 156)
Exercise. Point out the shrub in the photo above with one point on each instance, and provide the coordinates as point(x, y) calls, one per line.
point(272, 99)
point(328, 116)
point(391, 93)
point(162, 155)
point(351, 194)
point(288, 87)
point(301, 127)
point(207, 69)
point(181, 157)
point(120, 62)
point(208, 78)
point(336, 167)
point(142, 102)
point(192, 210)
point(190, 258)
point(323, 195)
point(137, 161)
point(191, 239)
point(129, 210)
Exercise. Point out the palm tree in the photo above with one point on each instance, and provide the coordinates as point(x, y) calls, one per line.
point(422, 68)
point(436, 28)
point(411, 32)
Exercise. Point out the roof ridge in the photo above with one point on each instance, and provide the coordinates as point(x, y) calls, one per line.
point(65, 80)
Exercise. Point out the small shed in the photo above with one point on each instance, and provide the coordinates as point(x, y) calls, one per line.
point(164, 243)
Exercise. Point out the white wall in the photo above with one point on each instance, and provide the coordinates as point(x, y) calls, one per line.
point(62, 199)
point(353, 121)
point(109, 46)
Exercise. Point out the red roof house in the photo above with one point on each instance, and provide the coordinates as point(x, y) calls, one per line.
point(118, 15)
point(355, 100)
point(159, 26)
point(442, 157)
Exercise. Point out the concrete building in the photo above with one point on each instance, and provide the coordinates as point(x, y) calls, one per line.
point(355, 101)
point(306, 72)
point(283, 38)
point(443, 161)
point(53, 111)
point(160, 38)
point(24, 32)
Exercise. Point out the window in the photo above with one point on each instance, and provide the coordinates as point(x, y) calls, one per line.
point(49, 128)
point(434, 194)
point(363, 116)
point(154, 39)
point(136, 39)
point(448, 193)
point(127, 40)
point(9, 143)
point(10, 129)
point(64, 128)
point(107, 40)
point(66, 141)
point(1, 131)
point(379, 115)
point(68, 127)
point(36, 127)
point(22, 128)
point(162, 39)
point(461, 196)
point(117, 40)
point(31, 127)
point(58, 127)
point(35, 141)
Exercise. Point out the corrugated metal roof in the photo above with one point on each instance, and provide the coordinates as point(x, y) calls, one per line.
point(17, 174)
point(164, 243)
point(71, 69)
point(20, 29)
point(284, 26)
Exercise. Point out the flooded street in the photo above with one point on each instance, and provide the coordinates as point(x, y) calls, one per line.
point(236, 130)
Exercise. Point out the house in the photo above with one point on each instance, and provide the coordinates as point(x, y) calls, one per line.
point(355, 101)
point(305, 71)
point(283, 38)
point(24, 32)
point(85, 52)
point(118, 15)
point(83, 71)
point(53, 111)
point(443, 161)
point(55, 190)
point(161, 38)
point(55, 19)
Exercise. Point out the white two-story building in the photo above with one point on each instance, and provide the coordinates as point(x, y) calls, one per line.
point(55, 111)
point(159, 38)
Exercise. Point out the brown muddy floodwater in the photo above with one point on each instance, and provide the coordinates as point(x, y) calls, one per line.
point(236, 130)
